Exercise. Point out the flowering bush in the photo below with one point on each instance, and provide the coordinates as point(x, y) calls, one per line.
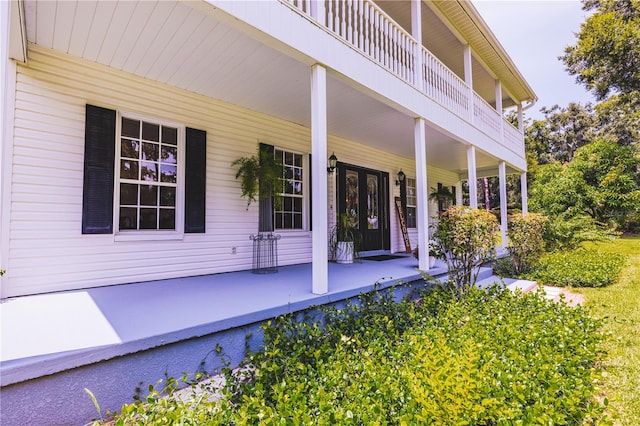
point(466, 237)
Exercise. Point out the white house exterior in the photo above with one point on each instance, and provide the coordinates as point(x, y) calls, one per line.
point(121, 120)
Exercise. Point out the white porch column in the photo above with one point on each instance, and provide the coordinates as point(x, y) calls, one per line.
point(499, 97)
point(502, 173)
point(320, 233)
point(416, 33)
point(473, 179)
point(318, 11)
point(525, 196)
point(499, 108)
point(468, 77)
point(520, 119)
point(422, 214)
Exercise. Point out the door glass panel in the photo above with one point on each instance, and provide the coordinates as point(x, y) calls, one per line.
point(351, 200)
point(372, 202)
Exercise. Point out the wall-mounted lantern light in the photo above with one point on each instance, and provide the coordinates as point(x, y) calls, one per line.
point(333, 160)
point(401, 177)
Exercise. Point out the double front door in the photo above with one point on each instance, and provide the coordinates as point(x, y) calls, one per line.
point(363, 194)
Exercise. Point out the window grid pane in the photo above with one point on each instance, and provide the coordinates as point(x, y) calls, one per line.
point(288, 214)
point(148, 175)
point(411, 203)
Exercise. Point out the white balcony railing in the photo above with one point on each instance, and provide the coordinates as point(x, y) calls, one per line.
point(512, 137)
point(485, 117)
point(367, 28)
point(444, 86)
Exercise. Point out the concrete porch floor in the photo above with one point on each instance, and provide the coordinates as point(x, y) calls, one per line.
point(113, 340)
point(48, 333)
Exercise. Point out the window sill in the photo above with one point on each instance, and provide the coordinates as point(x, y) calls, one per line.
point(148, 236)
point(293, 232)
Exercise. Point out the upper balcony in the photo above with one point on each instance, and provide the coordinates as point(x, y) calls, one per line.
point(381, 31)
point(257, 55)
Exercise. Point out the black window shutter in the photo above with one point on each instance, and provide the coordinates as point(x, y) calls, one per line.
point(195, 181)
point(455, 198)
point(99, 157)
point(440, 203)
point(265, 201)
point(403, 196)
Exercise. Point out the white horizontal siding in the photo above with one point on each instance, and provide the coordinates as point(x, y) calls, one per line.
point(47, 251)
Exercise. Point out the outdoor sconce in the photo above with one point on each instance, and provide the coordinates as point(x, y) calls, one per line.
point(333, 160)
point(401, 177)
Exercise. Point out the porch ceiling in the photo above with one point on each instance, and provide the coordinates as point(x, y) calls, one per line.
point(176, 44)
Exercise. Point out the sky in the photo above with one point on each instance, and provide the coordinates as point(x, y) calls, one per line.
point(534, 33)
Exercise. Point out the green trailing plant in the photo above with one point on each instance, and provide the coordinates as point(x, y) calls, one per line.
point(466, 237)
point(261, 175)
point(526, 242)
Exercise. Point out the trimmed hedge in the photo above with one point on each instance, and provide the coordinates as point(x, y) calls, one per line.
point(578, 268)
point(485, 358)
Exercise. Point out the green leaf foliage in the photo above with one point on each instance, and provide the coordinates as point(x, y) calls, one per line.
point(578, 268)
point(561, 133)
point(466, 237)
point(601, 181)
point(526, 242)
point(260, 175)
point(568, 233)
point(486, 358)
point(606, 56)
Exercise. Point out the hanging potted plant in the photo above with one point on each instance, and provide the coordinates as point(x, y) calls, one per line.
point(260, 178)
point(344, 240)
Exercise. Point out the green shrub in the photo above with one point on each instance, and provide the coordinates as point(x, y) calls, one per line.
point(526, 243)
point(569, 233)
point(578, 268)
point(483, 358)
point(466, 237)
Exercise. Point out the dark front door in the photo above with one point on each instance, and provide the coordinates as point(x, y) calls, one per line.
point(363, 194)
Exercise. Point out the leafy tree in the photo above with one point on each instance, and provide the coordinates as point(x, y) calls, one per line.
point(601, 181)
point(610, 173)
point(606, 56)
point(557, 191)
point(563, 130)
point(619, 118)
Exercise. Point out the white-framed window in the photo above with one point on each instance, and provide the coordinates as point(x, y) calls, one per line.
point(290, 212)
point(411, 202)
point(149, 176)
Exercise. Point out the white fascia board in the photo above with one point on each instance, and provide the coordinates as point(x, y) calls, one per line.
point(17, 31)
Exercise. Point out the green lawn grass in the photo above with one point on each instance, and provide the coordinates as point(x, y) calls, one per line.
point(619, 306)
